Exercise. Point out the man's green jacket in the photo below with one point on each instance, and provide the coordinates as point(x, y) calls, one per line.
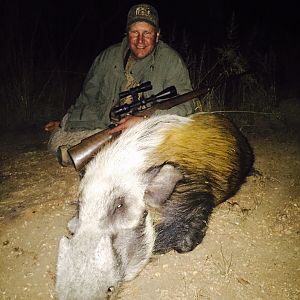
point(163, 67)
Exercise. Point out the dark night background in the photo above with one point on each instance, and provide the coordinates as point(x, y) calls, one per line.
point(68, 35)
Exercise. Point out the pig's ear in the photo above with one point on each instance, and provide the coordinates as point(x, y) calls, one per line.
point(161, 181)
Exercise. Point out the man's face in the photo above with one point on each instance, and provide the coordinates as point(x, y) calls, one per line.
point(142, 38)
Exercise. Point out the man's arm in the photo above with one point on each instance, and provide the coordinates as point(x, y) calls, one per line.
point(88, 112)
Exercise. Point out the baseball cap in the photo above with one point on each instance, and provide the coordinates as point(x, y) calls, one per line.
point(143, 13)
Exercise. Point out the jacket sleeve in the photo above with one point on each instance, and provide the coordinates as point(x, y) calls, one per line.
point(87, 112)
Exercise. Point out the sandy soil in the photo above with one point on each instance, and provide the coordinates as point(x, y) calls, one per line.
point(251, 250)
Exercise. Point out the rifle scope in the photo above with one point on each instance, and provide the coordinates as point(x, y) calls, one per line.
point(146, 86)
point(144, 103)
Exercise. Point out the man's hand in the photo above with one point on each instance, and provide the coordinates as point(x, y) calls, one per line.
point(51, 125)
point(126, 122)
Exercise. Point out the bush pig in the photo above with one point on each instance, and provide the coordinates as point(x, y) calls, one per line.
point(182, 166)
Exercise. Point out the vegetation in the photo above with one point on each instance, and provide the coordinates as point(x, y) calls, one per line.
point(244, 81)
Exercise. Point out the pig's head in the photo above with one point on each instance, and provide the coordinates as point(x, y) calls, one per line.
point(112, 238)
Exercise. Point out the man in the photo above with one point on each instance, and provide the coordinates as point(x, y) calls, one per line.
point(140, 57)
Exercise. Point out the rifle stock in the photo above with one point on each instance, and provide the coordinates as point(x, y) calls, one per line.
point(83, 152)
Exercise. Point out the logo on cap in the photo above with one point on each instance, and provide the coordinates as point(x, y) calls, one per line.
point(143, 12)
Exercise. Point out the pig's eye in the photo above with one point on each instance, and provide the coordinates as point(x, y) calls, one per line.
point(119, 202)
point(120, 205)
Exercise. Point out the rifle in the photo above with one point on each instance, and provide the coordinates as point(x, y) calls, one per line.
point(83, 152)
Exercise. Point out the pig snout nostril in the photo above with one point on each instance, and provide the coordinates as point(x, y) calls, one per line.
point(110, 290)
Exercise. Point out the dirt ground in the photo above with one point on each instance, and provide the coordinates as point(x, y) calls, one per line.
point(251, 249)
